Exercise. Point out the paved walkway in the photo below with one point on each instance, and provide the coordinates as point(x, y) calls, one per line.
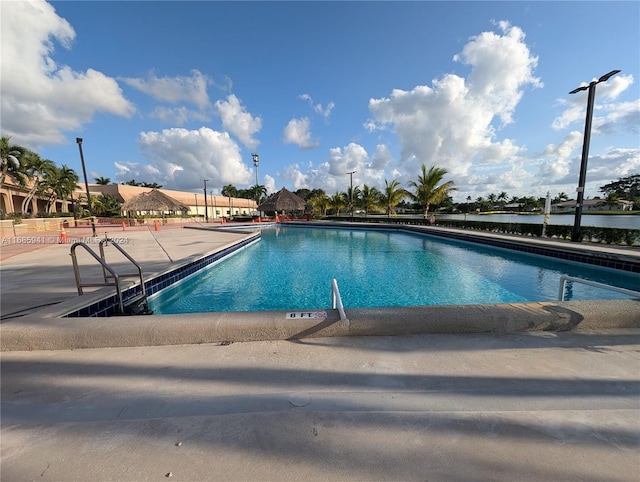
point(37, 271)
point(525, 407)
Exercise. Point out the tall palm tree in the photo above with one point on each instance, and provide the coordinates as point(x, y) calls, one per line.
point(12, 164)
point(430, 189)
point(230, 191)
point(391, 196)
point(60, 184)
point(36, 169)
point(338, 201)
point(102, 181)
point(369, 198)
point(258, 193)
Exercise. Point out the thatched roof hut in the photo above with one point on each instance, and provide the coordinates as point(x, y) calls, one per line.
point(154, 201)
point(284, 201)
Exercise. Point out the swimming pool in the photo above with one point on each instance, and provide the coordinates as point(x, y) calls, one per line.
point(291, 268)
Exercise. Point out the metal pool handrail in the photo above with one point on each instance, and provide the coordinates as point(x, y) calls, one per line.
point(336, 300)
point(565, 278)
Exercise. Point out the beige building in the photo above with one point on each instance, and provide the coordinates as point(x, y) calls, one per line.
point(12, 197)
point(216, 206)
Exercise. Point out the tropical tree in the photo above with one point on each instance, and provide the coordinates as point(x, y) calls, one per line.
point(60, 184)
point(106, 205)
point(36, 169)
point(102, 181)
point(304, 193)
point(429, 189)
point(391, 196)
point(230, 191)
point(320, 202)
point(338, 201)
point(153, 185)
point(12, 164)
point(611, 201)
point(369, 198)
point(258, 193)
point(353, 193)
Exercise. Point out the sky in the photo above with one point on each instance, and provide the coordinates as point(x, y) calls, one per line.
point(179, 92)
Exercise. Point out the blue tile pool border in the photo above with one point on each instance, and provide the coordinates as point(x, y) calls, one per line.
point(109, 306)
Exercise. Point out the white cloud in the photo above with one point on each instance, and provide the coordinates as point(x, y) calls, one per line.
point(181, 159)
point(178, 115)
point(297, 131)
point(174, 90)
point(42, 100)
point(610, 90)
point(269, 184)
point(451, 122)
point(238, 121)
point(333, 174)
point(318, 108)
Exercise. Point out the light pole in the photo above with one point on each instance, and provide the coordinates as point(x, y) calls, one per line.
point(575, 235)
point(256, 161)
point(351, 192)
point(86, 185)
point(206, 211)
point(196, 198)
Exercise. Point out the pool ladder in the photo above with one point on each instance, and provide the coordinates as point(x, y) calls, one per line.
point(135, 305)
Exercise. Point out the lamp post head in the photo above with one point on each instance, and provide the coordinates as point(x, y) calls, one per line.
point(256, 159)
point(79, 140)
point(606, 77)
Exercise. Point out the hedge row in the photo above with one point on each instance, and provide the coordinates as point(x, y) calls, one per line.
point(593, 234)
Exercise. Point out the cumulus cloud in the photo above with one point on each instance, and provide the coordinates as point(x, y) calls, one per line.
point(333, 174)
point(453, 122)
point(238, 121)
point(192, 89)
point(42, 100)
point(270, 184)
point(298, 132)
point(182, 158)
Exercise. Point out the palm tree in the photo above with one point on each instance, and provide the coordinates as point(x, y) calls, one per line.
point(257, 193)
point(369, 198)
point(230, 191)
point(428, 189)
point(12, 156)
point(36, 169)
point(353, 193)
point(102, 181)
point(321, 202)
point(391, 196)
point(60, 184)
point(338, 201)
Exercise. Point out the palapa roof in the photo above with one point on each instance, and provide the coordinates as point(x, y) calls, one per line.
point(283, 200)
point(153, 200)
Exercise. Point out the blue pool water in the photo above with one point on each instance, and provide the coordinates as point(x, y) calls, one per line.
point(291, 268)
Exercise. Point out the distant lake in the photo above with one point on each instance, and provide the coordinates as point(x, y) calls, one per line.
point(629, 221)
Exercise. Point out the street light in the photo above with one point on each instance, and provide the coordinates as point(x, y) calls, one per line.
point(86, 185)
point(575, 235)
point(256, 161)
point(206, 211)
point(351, 193)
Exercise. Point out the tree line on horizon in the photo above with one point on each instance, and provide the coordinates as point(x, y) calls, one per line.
point(427, 193)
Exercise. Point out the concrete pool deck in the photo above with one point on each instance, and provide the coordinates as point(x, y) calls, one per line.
point(38, 286)
point(527, 406)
